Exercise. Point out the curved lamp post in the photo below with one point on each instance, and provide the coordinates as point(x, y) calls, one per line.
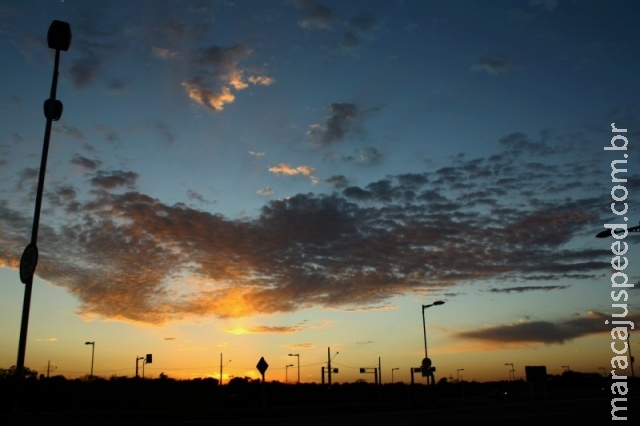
point(424, 327)
point(58, 38)
point(297, 355)
point(286, 372)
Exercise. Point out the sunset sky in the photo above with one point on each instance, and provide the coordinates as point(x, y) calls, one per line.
point(260, 178)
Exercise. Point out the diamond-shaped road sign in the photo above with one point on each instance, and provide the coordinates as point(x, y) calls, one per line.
point(262, 366)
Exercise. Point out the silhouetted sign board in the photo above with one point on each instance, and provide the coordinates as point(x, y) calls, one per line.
point(262, 366)
point(149, 359)
point(536, 373)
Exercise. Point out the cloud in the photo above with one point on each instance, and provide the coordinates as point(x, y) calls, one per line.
point(336, 125)
point(277, 330)
point(111, 180)
point(286, 169)
point(369, 155)
point(338, 181)
point(85, 163)
point(257, 154)
point(265, 191)
point(220, 72)
point(206, 98)
point(163, 53)
point(84, 70)
point(523, 289)
point(493, 66)
point(515, 216)
point(545, 332)
point(316, 15)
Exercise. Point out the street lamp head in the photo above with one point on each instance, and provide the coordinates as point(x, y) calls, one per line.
point(438, 302)
point(89, 343)
point(59, 35)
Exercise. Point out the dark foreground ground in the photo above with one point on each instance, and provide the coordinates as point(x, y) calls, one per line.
point(587, 407)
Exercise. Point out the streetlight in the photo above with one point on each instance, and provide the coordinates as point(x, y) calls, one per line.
point(459, 370)
point(512, 372)
point(298, 355)
point(138, 358)
point(93, 348)
point(222, 366)
point(424, 327)
point(286, 372)
point(426, 362)
point(329, 359)
point(392, 370)
point(58, 38)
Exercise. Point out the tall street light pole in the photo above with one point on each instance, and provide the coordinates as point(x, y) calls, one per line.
point(93, 348)
point(58, 38)
point(424, 326)
point(297, 355)
point(427, 369)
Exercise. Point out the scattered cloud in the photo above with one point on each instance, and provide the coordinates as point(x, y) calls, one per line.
point(286, 169)
point(219, 74)
point(316, 15)
point(278, 330)
point(545, 332)
point(48, 339)
point(163, 53)
point(336, 125)
point(523, 289)
point(85, 163)
point(338, 181)
point(257, 154)
point(493, 66)
point(265, 191)
point(206, 98)
point(125, 255)
point(111, 180)
point(369, 155)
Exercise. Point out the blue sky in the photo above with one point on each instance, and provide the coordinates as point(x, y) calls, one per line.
point(257, 178)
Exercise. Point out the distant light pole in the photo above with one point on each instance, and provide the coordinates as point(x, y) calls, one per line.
point(426, 362)
point(297, 355)
point(222, 366)
point(93, 348)
point(58, 38)
point(286, 372)
point(392, 370)
point(138, 358)
point(512, 372)
point(329, 359)
point(459, 370)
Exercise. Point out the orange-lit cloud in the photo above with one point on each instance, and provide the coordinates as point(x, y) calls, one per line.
point(130, 257)
point(206, 98)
